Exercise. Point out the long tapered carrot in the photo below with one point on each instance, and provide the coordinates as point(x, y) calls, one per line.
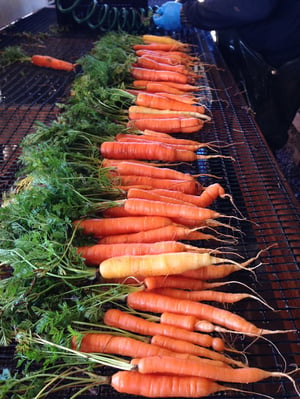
point(118, 345)
point(160, 102)
point(166, 233)
point(108, 226)
point(148, 301)
point(204, 295)
point(180, 282)
point(136, 112)
point(182, 346)
point(146, 151)
point(147, 62)
point(137, 206)
point(120, 319)
point(163, 386)
point(196, 367)
point(149, 194)
point(130, 168)
point(155, 265)
point(156, 87)
point(148, 38)
point(188, 186)
point(162, 46)
point(95, 254)
point(168, 125)
point(151, 74)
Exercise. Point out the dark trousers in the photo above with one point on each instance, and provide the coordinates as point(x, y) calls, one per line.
point(272, 93)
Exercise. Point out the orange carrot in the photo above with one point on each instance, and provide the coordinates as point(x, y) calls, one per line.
point(196, 367)
point(148, 38)
point(203, 295)
point(162, 386)
point(147, 301)
point(150, 195)
point(146, 151)
point(108, 226)
point(160, 102)
point(151, 74)
point(119, 319)
point(150, 63)
point(184, 283)
point(141, 112)
point(95, 254)
point(51, 62)
point(166, 233)
point(115, 212)
point(137, 206)
point(155, 265)
point(168, 125)
point(130, 168)
point(181, 346)
point(118, 345)
point(161, 46)
point(155, 87)
point(185, 186)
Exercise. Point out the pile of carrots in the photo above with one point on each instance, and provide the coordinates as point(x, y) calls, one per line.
point(140, 240)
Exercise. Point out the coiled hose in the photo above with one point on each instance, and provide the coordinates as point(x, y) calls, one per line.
point(102, 16)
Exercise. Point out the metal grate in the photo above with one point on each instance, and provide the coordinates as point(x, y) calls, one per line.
point(255, 182)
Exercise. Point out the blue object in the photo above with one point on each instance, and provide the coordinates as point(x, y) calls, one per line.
point(168, 16)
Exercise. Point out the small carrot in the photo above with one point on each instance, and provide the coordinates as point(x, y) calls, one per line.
point(126, 321)
point(163, 386)
point(147, 301)
point(181, 346)
point(51, 62)
point(166, 233)
point(95, 254)
point(160, 102)
point(151, 74)
point(155, 265)
point(108, 226)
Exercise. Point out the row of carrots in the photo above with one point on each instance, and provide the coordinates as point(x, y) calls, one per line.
point(172, 338)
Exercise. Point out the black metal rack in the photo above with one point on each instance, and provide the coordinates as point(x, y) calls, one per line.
point(254, 180)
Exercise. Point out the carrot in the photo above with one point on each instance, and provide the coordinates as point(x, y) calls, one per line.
point(150, 63)
point(163, 386)
point(141, 112)
point(204, 295)
point(115, 212)
point(182, 346)
point(51, 62)
point(168, 125)
point(151, 74)
point(95, 254)
point(213, 191)
point(148, 194)
point(108, 226)
point(137, 206)
point(156, 303)
point(123, 320)
point(161, 46)
point(147, 38)
point(155, 265)
point(146, 151)
point(184, 98)
point(118, 345)
point(160, 102)
point(130, 168)
point(155, 87)
point(154, 283)
point(166, 233)
point(196, 367)
point(186, 186)
point(213, 272)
